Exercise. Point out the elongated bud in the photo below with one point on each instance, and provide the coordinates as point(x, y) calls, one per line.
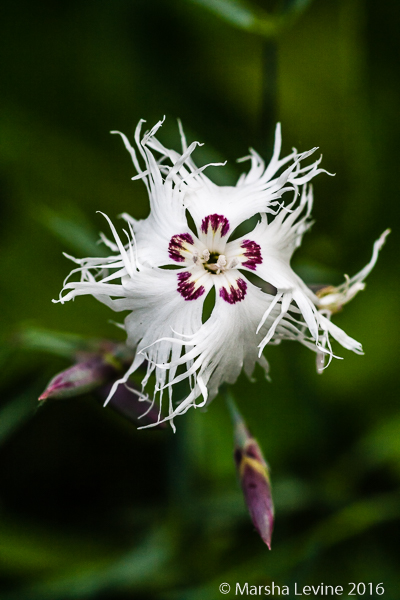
point(92, 371)
point(79, 379)
point(254, 478)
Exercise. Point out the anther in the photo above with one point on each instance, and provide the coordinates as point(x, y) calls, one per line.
point(221, 262)
point(234, 263)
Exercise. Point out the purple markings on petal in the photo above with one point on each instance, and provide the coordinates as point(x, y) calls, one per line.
point(215, 222)
point(176, 245)
point(186, 287)
point(235, 294)
point(252, 252)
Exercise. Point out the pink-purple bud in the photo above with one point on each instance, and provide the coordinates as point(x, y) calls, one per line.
point(254, 478)
point(91, 371)
point(79, 379)
point(99, 365)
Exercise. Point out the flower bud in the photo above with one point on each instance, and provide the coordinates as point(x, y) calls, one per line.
point(91, 371)
point(254, 478)
point(79, 379)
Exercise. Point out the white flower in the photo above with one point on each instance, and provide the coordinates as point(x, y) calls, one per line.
point(163, 271)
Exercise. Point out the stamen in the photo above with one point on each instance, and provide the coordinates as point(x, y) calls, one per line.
point(221, 262)
point(213, 267)
point(233, 263)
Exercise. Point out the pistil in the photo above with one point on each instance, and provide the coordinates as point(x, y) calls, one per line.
point(219, 265)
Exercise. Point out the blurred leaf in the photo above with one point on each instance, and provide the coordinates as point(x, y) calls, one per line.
point(291, 495)
point(16, 412)
point(355, 519)
point(142, 565)
point(253, 19)
point(383, 443)
point(54, 342)
point(241, 14)
point(313, 273)
point(72, 228)
point(72, 73)
point(29, 549)
point(7, 348)
point(344, 524)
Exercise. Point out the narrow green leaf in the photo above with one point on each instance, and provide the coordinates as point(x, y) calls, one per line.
point(244, 15)
point(54, 342)
point(241, 14)
point(142, 565)
point(73, 229)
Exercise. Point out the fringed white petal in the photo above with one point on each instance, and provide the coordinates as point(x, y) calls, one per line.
point(332, 299)
point(222, 346)
point(165, 306)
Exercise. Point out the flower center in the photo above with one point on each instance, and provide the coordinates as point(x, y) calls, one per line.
point(217, 263)
point(214, 262)
point(211, 254)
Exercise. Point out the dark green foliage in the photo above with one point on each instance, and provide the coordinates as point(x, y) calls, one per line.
point(90, 507)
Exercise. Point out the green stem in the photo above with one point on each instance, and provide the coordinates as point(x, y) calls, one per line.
point(268, 113)
point(241, 432)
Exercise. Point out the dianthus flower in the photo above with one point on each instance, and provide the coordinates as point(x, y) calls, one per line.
point(164, 267)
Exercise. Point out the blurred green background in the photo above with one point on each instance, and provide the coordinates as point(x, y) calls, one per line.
point(89, 506)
